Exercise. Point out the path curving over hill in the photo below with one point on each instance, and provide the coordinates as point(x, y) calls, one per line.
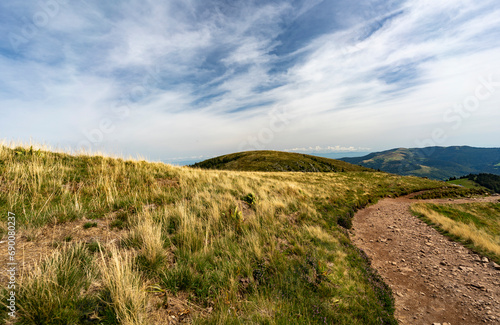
point(433, 279)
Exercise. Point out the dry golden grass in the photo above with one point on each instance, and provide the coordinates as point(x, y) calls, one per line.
point(192, 233)
point(146, 234)
point(466, 231)
point(128, 295)
point(57, 287)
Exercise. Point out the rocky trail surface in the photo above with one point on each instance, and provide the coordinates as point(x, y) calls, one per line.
point(434, 280)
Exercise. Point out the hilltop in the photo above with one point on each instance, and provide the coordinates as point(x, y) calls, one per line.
point(265, 160)
point(114, 241)
point(433, 162)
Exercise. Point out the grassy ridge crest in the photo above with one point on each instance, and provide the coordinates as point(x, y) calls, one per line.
point(266, 160)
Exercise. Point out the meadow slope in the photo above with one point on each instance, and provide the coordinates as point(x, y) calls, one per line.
point(110, 241)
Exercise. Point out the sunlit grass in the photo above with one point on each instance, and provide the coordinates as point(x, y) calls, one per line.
point(475, 224)
point(57, 290)
point(467, 183)
point(123, 284)
point(228, 241)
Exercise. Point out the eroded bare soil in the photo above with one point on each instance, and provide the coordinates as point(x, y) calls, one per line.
point(434, 280)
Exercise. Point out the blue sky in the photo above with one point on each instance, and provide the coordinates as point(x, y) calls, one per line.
point(170, 79)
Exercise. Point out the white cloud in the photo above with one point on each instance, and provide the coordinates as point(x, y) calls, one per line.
point(215, 75)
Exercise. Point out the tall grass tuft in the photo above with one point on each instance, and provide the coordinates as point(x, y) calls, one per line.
point(124, 286)
point(147, 236)
point(56, 291)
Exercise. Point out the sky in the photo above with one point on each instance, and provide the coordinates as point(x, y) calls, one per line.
point(174, 79)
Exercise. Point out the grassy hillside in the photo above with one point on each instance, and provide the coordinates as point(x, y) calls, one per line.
point(276, 161)
point(112, 241)
point(490, 182)
point(433, 162)
point(464, 182)
point(477, 225)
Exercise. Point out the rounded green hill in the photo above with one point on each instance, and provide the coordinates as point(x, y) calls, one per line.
point(277, 161)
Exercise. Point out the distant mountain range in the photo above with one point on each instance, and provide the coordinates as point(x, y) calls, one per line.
point(433, 162)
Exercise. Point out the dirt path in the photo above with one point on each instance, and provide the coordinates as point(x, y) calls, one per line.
point(434, 280)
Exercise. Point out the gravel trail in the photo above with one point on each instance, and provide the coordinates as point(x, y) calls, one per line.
point(434, 280)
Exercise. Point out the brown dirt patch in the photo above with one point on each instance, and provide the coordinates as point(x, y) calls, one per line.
point(33, 245)
point(72, 187)
point(3, 185)
point(168, 182)
point(246, 210)
point(169, 309)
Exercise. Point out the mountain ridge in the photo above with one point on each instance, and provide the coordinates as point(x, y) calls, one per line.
point(433, 162)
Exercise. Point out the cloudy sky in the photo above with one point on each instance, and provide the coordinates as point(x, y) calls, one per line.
point(168, 79)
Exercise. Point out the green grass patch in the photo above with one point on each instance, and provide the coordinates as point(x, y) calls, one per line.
point(466, 183)
point(57, 291)
point(476, 225)
point(250, 198)
point(88, 225)
point(450, 192)
point(485, 216)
